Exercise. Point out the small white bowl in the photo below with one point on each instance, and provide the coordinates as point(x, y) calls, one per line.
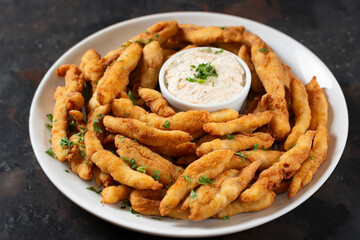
point(237, 102)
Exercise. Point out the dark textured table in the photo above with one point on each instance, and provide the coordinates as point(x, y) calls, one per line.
point(33, 35)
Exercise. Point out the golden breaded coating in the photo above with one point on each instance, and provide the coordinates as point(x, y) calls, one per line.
point(223, 115)
point(102, 178)
point(151, 63)
point(77, 115)
point(231, 47)
point(114, 194)
point(316, 157)
point(156, 102)
point(237, 163)
point(189, 121)
point(122, 173)
point(285, 168)
point(145, 134)
point(237, 143)
point(186, 160)
point(239, 206)
point(266, 158)
point(147, 202)
point(89, 65)
point(318, 104)
point(74, 82)
point(269, 68)
point(59, 124)
point(165, 171)
point(208, 35)
point(160, 32)
point(301, 108)
point(76, 157)
point(256, 84)
point(209, 165)
point(116, 78)
point(240, 124)
point(181, 149)
point(226, 187)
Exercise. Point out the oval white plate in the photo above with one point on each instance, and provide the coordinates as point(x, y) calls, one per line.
point(304, 64)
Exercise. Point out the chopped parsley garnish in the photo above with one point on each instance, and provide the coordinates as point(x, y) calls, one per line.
point(156, 218)
point(81, 134)
point(150, 40)
point(133, 97)
point(204, 180)
point(82, 153)
point(292, 146)
point(141, 169)
point(203, 71)
point(51, 153)
point(141, 41)
point(277, 160)
point(121, 138)
point(135, 140)
point(50, 117)
point(167, 124)
point(222, 27)
point(192, 66)
point(66, 142)
point(156, 175)
point(213, 84)
point(264, 149)
point(256, 146)
point(157, 35)
point(133, 211)
point(48, 126)
point(126, 203)
point(311, 157)
point(86, 91)
point(131, 162)
point(66, 171)
point(97, 126)
point(193, 194)
point(262, 49)
point(94, 190)
point(72, 126)
point(219, 51)
point(100, 115)
point(226, 218)
point(187, 178)
point(229, 136)
point(242, 155)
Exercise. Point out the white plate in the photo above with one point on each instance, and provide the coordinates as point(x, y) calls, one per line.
point(304, 64)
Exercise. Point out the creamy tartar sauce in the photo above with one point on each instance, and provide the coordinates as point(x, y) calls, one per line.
point(230, 79)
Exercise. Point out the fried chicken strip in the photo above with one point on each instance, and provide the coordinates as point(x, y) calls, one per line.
point(122, 173)
point(91, 68)
point(151, 63)
point(239, 206)
point(212, 198)
point(319, 117)
point(157, 166)
point(181, 149)
point(59, 124)
point(145, 134)
point(209, 165)
point(116, 78)
point(240, 124)
point(147, 202)
point(285, 168)
point(156, 102)
point(269, 68)
point(238, 143)
point(160, 32)
point(267, 158)
point(209, 35)
point(256, 84)
point(114, 194)
point(301, 108)
point(189, 121)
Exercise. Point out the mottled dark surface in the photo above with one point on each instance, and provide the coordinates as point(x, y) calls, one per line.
point(33, 35)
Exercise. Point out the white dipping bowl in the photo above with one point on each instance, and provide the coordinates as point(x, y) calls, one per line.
point(237, 102)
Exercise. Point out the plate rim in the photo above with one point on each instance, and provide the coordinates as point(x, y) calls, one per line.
point(217, 232)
